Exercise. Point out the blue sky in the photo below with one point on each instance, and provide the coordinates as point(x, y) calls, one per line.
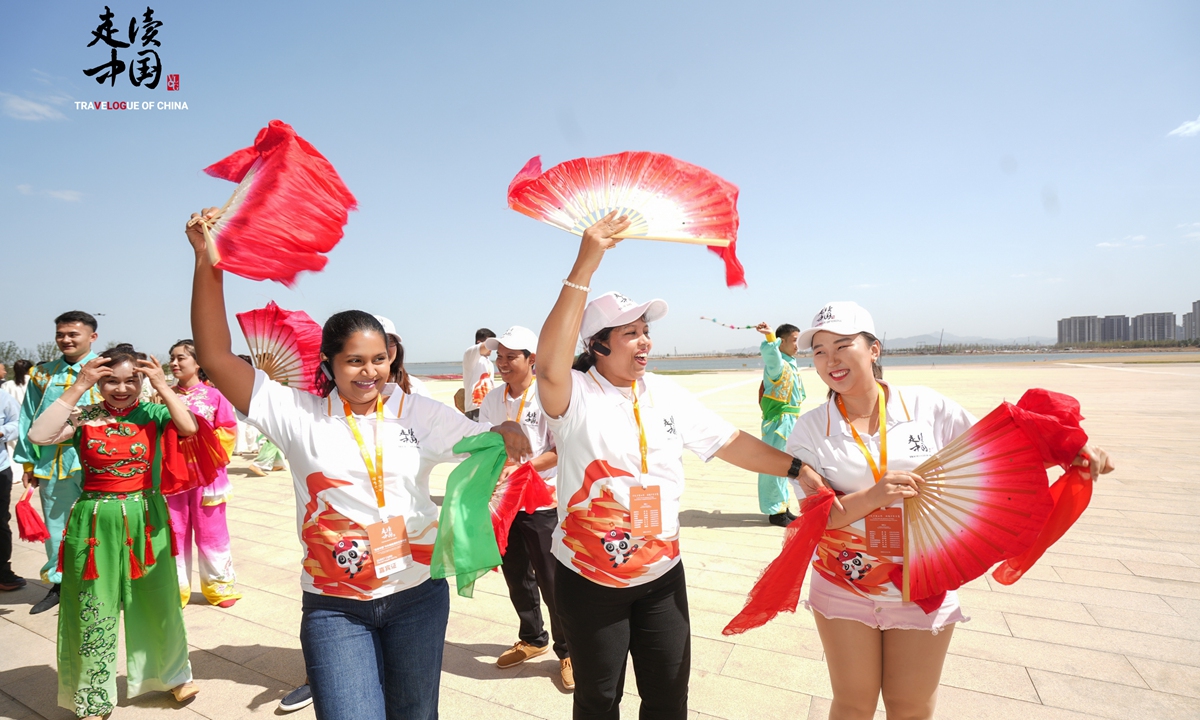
point(983, 169)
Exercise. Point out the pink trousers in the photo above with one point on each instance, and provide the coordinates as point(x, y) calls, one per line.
point(191, 519)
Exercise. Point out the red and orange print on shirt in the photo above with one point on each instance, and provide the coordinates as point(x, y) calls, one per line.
point(845, 559)
point(598, 531)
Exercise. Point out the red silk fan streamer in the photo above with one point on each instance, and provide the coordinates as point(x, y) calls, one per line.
point(1070, 495)
point(285, 344)
point(292, 211)
point(190, 462)
point(665, 199)
point(1052, 421)
point(524, 490)
point(29, 524)
point(778, 589)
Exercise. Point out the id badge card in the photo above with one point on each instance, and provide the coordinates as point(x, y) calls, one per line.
point(645, 511)
point(885, 532)
point(389, 545)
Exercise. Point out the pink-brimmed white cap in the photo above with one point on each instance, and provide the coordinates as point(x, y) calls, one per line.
point(839, 318)
point(612, 309)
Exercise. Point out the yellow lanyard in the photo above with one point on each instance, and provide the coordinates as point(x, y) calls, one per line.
point(521, 407)
point(876, 470)
point(637, 415)
point(375, 470)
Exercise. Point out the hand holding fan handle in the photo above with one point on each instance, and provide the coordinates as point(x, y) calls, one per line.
point(204, 221)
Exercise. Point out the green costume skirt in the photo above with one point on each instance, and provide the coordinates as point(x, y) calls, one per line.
point(117, 554)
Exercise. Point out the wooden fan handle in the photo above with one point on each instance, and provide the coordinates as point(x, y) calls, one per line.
point(711, 242)
point(905, 594)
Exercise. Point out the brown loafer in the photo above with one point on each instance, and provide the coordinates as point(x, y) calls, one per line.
point(567, 673)
point(519, 653)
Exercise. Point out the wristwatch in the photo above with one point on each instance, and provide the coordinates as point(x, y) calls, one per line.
point(794, 471)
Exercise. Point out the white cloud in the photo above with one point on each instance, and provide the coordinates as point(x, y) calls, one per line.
point(1188, 129)
point(1020, 275)
point(68, 195)
point(65, 195)
point(1109, 244)
point(24, 109)
point(1135, 238)
point(864, 286)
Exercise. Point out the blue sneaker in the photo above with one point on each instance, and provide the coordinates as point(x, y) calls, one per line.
point(301, 697)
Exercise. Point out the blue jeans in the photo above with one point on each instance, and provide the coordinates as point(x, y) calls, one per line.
point(376, 659)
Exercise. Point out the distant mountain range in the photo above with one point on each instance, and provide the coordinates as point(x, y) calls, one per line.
point(907, 343)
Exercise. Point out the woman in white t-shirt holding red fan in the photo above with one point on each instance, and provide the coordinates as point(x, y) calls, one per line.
point(874, 641)
point(621, 433)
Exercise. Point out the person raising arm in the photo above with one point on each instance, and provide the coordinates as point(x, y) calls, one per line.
point(373, 620)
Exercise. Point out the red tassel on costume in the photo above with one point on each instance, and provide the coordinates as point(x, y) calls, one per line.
point(171, 532)
point(148, 555)
point(135, 568)
point(89, 569)
point(778, 588)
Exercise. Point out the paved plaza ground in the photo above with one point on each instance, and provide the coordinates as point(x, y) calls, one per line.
point(1106, 625)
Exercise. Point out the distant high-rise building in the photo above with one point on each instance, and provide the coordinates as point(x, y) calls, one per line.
point(1149, 327)
point(1191, 323)
point(1076, 330)
point(1114, 328)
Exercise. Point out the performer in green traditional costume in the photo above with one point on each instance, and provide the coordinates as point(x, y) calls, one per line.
point(117, 550)
point(54, 471)
point(782, 393)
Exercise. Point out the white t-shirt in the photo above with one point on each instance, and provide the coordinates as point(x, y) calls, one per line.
point(334, 498)
point(920, 422)
point(478, 372)
point(526, 411)
point(599, 460)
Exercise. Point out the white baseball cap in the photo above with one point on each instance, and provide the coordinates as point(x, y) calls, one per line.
point(514, 338)
point(612, 309)
point(839, 318)
point(389, 327)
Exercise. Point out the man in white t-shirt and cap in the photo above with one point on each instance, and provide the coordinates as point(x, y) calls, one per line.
point(478, 373)
point(529, 564)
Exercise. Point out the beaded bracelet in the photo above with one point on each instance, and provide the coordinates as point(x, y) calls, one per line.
point(570, 284)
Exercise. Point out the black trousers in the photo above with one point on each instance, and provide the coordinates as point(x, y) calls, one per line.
point(529, 566)
point(605, 625)
point(6, 484)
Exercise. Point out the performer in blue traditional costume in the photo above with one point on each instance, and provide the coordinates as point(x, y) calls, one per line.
point(54, 470)
point(782, 393)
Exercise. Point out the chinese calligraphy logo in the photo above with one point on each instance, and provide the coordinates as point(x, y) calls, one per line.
point(145, 65)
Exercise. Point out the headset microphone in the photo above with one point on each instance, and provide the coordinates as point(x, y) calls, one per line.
point(601, 349)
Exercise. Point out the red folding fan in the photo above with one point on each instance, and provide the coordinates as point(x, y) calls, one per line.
point(288, 209)
point(285, 344)
point(984, 498)
point(666, 199)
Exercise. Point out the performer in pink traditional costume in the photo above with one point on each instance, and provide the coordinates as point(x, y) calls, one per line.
point(200, 513)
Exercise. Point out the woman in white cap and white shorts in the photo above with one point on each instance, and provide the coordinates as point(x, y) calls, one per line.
point(874, 641)
point(621, 433)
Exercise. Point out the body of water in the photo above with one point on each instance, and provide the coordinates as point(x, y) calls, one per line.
point(755, 363)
